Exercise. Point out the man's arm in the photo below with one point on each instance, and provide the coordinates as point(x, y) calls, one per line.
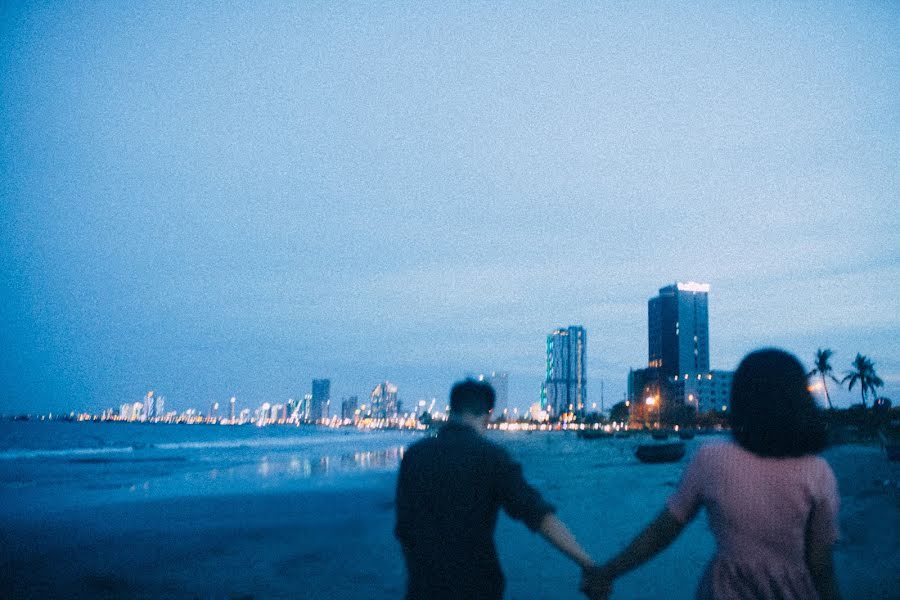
point(555, 531)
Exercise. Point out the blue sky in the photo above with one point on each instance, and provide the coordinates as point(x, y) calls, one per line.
point(222, 199)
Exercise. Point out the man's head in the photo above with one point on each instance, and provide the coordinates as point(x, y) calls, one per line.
point(472, 399)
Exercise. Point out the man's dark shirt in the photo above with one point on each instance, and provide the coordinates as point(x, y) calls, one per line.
point(449, 492)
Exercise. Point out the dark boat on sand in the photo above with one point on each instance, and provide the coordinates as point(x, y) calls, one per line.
point(660, 435)
point(686, 435)
point(622, 434)
point(660, 453)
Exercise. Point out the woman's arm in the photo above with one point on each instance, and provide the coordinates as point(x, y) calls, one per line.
point(821, 567)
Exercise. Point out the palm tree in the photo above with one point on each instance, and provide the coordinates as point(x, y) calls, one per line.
point(824, 369)
point(864, 372)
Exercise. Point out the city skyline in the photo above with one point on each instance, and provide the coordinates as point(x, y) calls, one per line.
point(315, 404)
point(218, 200)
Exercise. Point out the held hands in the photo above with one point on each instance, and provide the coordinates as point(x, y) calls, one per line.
point(596, 582)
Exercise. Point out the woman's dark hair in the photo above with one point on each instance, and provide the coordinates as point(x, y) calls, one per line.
point(470, 396)
point(772, 412)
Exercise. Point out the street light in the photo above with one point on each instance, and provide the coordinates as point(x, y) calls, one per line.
point(650, 402)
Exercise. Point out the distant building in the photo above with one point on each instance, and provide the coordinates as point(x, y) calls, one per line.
point(262, 414)
point(500, 382)
point(537, 413)
point(349, 407)
point(276, 413)
point(304, 411)
point(565, 388)
point(383, 401)
point(231, 408)
point(643, 384)
point(709, 391)
point(291, 408)
point(678, 328)
point(678, 373)
point(321, 399)
point(149, 406)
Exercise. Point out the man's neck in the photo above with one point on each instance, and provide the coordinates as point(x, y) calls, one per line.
point(476, 422)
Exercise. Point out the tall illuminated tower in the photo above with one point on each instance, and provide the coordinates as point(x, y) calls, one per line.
point(565, 387)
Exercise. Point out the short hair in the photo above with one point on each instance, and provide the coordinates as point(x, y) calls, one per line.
point(473, 397)
point(772, 412)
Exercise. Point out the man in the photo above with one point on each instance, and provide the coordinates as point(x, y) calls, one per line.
point(449, 492)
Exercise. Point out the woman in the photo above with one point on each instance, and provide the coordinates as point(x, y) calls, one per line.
point(772, 503)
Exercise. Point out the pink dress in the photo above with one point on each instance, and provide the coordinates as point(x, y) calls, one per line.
point(761, 511)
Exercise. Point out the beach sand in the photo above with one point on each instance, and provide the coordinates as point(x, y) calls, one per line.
point(338, 543)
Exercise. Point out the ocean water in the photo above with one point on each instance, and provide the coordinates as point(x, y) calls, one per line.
point(54, 466)
point(294, 512)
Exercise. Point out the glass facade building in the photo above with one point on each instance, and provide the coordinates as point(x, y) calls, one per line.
point(678, 327)
point(321, 399)
point(565, 386)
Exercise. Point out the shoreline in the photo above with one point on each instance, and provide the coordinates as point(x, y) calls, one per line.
point(327, 542)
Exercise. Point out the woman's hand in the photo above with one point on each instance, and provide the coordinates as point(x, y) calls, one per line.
point(596, 582)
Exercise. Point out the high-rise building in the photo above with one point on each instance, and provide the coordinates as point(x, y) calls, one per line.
point(678, 327)
point(149, 406)
point(321, 399)
point(678, 373)
point(304, 412)
point(565, 387)
point(231, 402)
point(383, 401)
point(262, 414)
point(348, 408)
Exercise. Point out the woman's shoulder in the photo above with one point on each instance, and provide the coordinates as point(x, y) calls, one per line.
point(821, 471)
point(719, 449)
point(712, 455)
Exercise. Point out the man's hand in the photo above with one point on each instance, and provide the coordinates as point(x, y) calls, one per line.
point(596, 583)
